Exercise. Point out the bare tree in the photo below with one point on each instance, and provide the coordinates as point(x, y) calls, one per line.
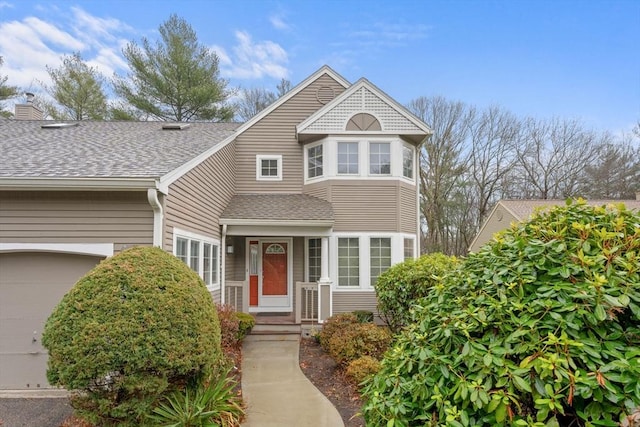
point(252, 101)
point(614, 172)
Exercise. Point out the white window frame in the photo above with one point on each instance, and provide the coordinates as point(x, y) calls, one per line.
point(201, 240)
point(358, 163)
point(260, 158)
point(306, 161)
point(390, 145)
point(390, 255)
point(411, 150)
point(307, 253)
point(360, 263)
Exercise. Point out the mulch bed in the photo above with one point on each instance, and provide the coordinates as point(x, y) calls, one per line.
point(327, 376)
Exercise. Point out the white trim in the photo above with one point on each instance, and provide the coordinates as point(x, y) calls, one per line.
point(300, 129)
point(201, 239)
point(306, 160)
point(78, 184)
point(279, 222)
point(391, 158)
point(260, 158)
point(172, 176)
point(278, 230)
point(97, 249)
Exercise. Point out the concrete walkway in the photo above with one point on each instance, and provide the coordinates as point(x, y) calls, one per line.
point(276, 391)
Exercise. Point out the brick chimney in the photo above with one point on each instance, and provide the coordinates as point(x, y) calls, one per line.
point(28, 111)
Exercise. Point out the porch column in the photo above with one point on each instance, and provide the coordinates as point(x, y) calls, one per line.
point(324, 283)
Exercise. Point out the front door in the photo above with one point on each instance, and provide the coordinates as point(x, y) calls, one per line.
point(269, 287)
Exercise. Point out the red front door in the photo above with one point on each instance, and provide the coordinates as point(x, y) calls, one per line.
point(274, 269)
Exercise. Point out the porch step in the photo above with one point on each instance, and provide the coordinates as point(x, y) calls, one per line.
point(275, 329)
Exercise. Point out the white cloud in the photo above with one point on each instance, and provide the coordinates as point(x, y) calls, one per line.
point(7, 5)
point(278, 22)
point(253, 60)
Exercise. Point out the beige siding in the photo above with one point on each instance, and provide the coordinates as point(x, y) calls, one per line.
point(215, 295)
point(369, 205)
point(197, 199)
point(122, 218)
point(344, 302)
point(276, 134)
point(499, 220)
point(236, 264)
point(298, 259)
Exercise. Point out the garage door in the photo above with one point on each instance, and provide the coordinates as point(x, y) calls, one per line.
point(31, 285)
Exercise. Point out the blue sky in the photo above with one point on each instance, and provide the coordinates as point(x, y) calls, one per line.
point(576, 59)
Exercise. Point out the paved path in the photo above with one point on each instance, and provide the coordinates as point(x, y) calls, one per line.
point(276, 391)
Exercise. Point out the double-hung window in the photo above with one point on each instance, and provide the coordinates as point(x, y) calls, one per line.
point(348, 158)
point(314, 161)
point(349, 261)
point(200, 254)
point(407, 162)
point(408, 248)
point(314, 259)
point(380, 257)
point(379, 158)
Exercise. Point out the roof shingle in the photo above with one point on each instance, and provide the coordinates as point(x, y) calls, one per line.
point(282, 207)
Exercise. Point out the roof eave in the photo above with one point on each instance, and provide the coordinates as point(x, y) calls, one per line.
point(78, 184)
point(278, 222)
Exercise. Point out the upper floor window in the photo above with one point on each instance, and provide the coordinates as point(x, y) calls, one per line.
point(407, 162)
point(314, 161)
point(348, 158)
point(380, 158)
point(269, 167)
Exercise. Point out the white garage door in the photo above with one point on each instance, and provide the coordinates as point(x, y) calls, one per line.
point(31, 285)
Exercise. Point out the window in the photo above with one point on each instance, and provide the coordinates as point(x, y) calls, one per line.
point(314, 161)
point(200, 254)
point(347, 157)
point(407, 162)
point(380, 257)
point(380, 158)
point(348, 261)
point(408, 249)
point(314, 259)
point(268, 168)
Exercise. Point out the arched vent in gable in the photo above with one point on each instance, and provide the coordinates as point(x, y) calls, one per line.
point(363, 122)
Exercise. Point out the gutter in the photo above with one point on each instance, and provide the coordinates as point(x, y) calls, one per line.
point(78, 184)
point(272, 222)
point(158, 216)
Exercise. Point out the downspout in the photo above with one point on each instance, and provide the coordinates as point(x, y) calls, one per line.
point(418, 200)
point(158, 216)
point(223, 268)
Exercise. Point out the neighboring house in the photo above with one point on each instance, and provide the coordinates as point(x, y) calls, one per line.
point(506, 212)
point(296, 211)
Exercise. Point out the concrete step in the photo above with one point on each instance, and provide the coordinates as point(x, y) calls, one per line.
point(271, 337)
point(262, 328)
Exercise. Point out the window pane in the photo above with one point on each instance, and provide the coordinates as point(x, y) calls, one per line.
point(181, 249)
point(379, 158)
point(269, 167)
point(408, 249)
point(206, 263)
point(214, 264)
point(314, 166)
point(314, 261)
point(348, 261)
point(348, 157)
point(253, 262)
point(407, 162)
point(194, 256)
point(380, 254)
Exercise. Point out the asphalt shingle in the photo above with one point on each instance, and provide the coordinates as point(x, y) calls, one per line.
point(284, 207)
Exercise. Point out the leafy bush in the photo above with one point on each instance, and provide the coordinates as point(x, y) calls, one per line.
point(540, 327)
point(403, 284)
point(357, 340)
point(212, 403)
point(229, 326)
point(246, 323)
point(364, 316)
point(362, 368)
point(139, 324)
point(334, 324)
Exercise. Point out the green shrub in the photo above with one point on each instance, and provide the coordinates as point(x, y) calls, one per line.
point(362, 368)
point(247, 322)
point(212, 403)
point(138, 325)
point(540, 327)
point(403, 284)
point(357, 340)
point(364, 316)
point(334, 324)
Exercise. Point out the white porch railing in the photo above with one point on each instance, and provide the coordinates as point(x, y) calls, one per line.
point(236, 294)
point(306, 302)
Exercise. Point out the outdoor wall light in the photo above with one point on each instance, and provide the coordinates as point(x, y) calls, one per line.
point(230, 249)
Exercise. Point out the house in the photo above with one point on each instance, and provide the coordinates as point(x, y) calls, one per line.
point(295, 212)
point(506, 212)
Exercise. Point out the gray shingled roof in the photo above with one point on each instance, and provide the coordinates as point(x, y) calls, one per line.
point(102, 149)
point(285, 207)
point(523, 209)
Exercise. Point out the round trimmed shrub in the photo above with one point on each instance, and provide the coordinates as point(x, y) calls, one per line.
point(362, 368)
point(403, 284)
point(334, 324)
point(540, 327)
point(138, 325)
point(357, 340)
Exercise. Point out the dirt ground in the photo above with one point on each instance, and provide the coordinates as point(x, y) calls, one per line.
point(323, 372)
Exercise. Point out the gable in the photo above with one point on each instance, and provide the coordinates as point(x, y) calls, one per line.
point(358, 108)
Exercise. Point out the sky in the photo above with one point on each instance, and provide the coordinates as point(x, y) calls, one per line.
point(562, 58)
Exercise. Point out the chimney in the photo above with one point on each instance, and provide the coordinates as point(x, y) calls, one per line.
point(28, 111)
